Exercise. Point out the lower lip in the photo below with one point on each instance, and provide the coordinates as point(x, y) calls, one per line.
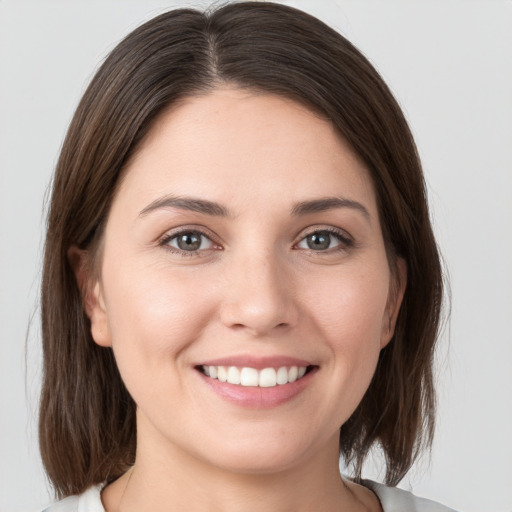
point(255, 397)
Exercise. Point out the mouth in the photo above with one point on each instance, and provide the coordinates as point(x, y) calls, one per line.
point(246, 376)
point(257, 382)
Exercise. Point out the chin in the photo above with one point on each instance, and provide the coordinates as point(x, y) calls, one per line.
point(258, 463)
point(253, 455)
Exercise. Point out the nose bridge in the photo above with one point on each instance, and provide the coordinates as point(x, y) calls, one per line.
point(259, 293)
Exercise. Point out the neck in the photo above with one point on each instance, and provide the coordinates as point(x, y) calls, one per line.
point(170, 479)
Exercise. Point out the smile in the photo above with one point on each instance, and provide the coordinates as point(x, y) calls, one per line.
point(251, 377)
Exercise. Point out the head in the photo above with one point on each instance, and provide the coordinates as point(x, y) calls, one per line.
point(88, 418)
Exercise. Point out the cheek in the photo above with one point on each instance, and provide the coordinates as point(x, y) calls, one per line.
point(351, 304)
point(349, 310)
point(153, 315)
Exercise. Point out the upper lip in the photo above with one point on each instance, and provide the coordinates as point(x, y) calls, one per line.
point(258, 363)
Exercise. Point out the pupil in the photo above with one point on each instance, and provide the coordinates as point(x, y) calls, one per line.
point(189, 242)
point(319, 241)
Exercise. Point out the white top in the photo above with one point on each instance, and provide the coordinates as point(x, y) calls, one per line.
point(391, 499)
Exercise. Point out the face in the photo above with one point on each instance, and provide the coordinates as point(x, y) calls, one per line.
point(244, 285)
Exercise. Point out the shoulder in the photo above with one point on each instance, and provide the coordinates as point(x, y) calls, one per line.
point(89, 501)
point(391, 498)
point(397, 500)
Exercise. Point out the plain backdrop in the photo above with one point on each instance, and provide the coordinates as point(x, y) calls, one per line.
point(449, 62)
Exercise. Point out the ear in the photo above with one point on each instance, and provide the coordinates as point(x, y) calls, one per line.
point(396, 295)
point(92, 295)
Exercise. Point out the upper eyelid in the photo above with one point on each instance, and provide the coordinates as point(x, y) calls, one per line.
point(330, 229)
point(202, 230)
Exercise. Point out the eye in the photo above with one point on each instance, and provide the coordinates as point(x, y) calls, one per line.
point(189, 241)
point(323, 240)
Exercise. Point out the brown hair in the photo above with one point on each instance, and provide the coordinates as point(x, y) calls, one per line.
point(87, 418)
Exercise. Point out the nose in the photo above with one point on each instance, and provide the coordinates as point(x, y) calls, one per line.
point(259, 296)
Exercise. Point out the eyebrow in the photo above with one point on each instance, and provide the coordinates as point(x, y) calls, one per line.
point(187, 203)
point(329, 203)
point(215, 209)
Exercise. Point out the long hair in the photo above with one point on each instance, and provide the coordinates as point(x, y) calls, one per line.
point(87, 426)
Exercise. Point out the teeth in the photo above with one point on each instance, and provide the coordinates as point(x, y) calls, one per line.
point(222, 374)
point(249, 377)
point(233, 375)
point(266, 378)
point(282, 375)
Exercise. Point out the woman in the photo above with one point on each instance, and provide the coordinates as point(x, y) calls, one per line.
point(241, 282)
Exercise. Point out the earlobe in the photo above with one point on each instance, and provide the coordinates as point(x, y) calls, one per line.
point(92, 295)
point(395, 298)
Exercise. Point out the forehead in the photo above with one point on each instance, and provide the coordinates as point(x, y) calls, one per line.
point(237, 143)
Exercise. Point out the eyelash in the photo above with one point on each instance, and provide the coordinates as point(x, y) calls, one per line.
point(346, 242)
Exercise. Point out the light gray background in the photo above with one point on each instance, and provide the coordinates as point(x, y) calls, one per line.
point(449, 62)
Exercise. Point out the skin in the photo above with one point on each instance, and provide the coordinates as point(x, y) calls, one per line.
point(254, 288)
